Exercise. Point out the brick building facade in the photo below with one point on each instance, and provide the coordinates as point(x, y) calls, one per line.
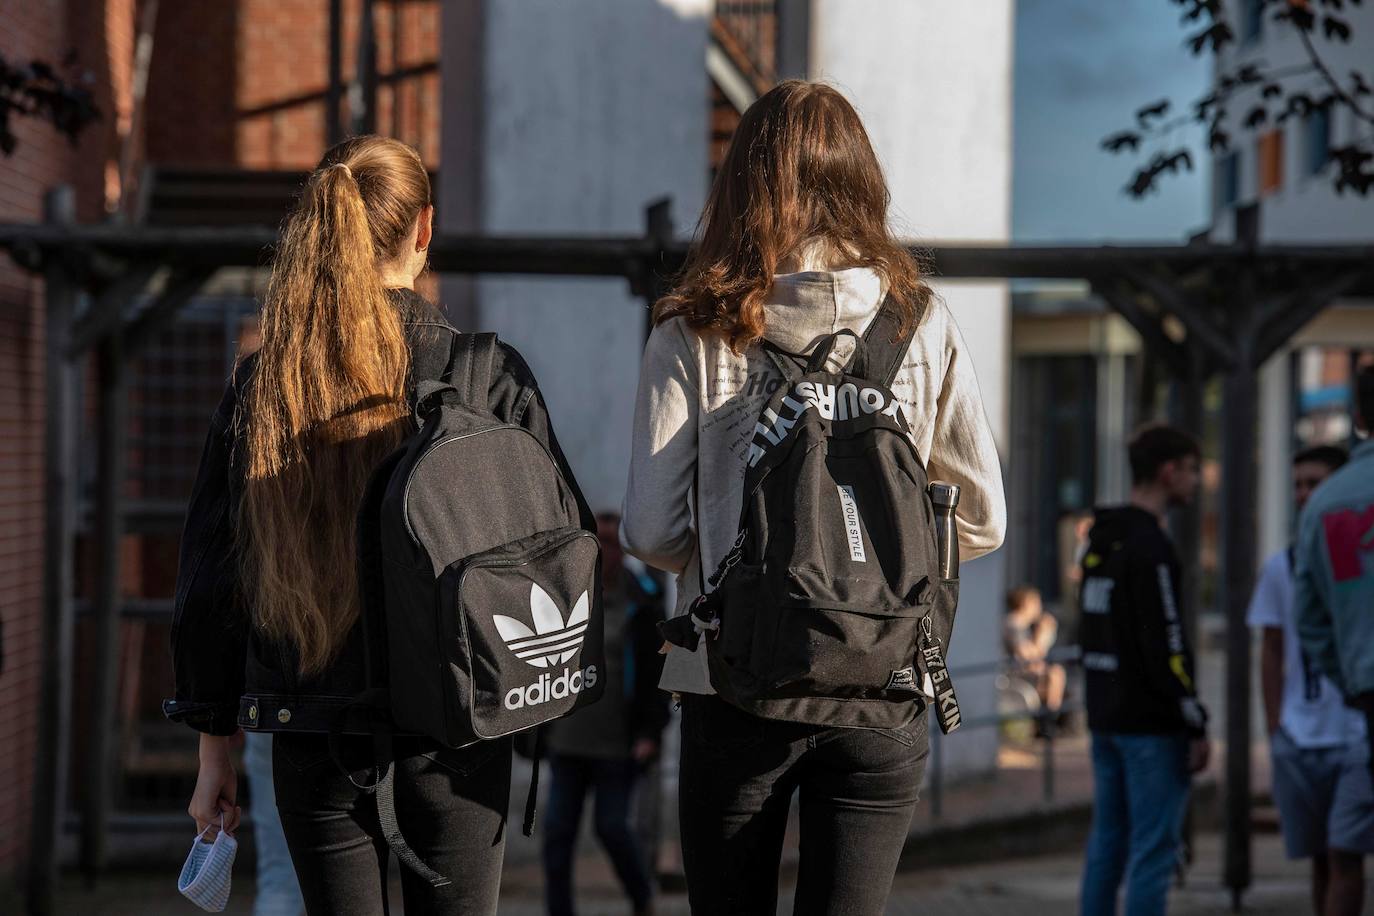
point(101, 32)
point(233, 85)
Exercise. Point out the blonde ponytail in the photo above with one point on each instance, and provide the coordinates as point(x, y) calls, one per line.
point(327, 397)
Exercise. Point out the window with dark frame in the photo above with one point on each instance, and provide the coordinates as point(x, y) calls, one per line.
point(1228, 180)
point(1252, 20)
point(1316, 140)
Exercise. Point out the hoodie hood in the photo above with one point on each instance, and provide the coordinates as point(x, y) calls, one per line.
point(803, 307)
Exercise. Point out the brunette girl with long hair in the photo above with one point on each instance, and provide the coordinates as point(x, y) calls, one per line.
point(793, 246)
point(267, 632)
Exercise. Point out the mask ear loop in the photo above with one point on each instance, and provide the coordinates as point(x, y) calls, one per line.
point(201, 836)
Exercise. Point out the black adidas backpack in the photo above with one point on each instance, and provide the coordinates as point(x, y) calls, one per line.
point(491, 589)
point(481, 592)
point(829, 608)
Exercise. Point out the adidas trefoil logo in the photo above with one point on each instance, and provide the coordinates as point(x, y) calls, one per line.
point(553, 640)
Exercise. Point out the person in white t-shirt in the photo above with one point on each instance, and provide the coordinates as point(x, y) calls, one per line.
point(1321, 778)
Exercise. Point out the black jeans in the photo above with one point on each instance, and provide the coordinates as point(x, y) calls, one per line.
point(451, 805)
point(858, 792)
point(613, 782)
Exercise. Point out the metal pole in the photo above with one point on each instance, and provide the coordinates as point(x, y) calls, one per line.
point(1049, 726)
point(59, 522)
point(333, 100)
point(1239, 476)
point(101, 763)
point(362, 95)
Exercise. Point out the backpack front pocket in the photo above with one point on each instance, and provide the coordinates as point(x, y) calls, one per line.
point(523, 625)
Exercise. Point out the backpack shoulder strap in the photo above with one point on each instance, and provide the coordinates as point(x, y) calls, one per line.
point(785, 361)
point(443, 357)
point(884, 344)
point(474, 356)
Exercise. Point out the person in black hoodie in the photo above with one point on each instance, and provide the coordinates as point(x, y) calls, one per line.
point(267, 608)
point(1148, 728)
point(604, 748)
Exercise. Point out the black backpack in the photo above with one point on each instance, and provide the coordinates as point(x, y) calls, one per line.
point(829, 608)
point(481, 591)
point(491, 588)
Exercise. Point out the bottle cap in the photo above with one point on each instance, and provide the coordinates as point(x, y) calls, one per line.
point(944, 494)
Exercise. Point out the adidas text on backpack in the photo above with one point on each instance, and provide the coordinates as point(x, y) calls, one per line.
point(830, 608)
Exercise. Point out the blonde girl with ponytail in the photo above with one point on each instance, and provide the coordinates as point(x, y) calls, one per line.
point(267, 633)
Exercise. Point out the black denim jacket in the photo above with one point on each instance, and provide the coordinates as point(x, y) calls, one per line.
point(228, 674)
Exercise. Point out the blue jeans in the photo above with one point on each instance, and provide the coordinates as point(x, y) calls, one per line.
point(613, 783)
point(278, 892)
point(1140, 794)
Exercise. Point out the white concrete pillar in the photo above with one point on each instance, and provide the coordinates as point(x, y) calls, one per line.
point(588, 111)
point(1276, 454)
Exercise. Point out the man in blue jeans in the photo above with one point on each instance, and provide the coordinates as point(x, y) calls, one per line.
point(1148, 728)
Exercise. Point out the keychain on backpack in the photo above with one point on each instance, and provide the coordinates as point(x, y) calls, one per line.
point(936, 684)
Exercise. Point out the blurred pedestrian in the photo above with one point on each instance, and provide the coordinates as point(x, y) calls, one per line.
point(1028, 634)
point(1334, 585)
point(605, 748)
point(1148, 728)
point(1320, 782)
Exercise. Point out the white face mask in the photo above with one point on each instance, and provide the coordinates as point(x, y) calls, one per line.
point(205, 877)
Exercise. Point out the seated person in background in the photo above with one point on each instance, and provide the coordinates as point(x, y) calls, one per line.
point(1029, 634)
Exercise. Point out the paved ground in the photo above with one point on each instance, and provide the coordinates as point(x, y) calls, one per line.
point(1044, 886)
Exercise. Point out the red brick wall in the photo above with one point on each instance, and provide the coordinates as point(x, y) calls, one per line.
point(42, 29)
point(243, 84)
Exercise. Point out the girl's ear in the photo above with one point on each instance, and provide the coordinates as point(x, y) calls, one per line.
point(426, 233)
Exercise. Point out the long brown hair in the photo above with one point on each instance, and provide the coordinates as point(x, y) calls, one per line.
point(799, 171)
point(327, 398)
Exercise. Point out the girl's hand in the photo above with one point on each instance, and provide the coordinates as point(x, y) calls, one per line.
point(217, 788)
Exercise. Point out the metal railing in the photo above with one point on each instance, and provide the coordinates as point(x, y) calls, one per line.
point(1047, 720)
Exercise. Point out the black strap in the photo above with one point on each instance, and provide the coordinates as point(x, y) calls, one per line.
point(532, 800)
point(884, 345)
point(785, 360)
point(478, 354)
point(385, 791)
point(444, 360)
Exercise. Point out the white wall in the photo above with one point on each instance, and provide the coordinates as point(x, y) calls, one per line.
point(589, 111)
point(933, 84)
point(1306, 208)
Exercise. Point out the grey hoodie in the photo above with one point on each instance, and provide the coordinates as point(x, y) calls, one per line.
point(698, 403)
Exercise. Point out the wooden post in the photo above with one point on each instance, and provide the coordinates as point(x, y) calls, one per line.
point(59, 523)
point(1186, 411)
point(101, 761)
point(1239, 484)
point(653, 278)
